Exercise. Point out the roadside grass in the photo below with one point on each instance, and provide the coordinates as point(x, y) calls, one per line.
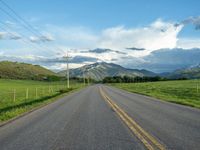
point(14, 100)
point(185, 92)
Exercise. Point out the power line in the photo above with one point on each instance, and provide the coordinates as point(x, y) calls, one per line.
point(7, 13)
point(26, 24)
point(22, 22)
point(33, 30)
point(23, 37)
point(16, 21)
point(24, 41)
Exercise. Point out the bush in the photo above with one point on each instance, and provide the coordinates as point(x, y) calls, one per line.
point(65, 90)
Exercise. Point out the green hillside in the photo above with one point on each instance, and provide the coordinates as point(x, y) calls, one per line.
point(16, 70)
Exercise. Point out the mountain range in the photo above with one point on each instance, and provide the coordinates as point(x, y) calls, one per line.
point(100, 70)
point(97, 71)
point(192, 72)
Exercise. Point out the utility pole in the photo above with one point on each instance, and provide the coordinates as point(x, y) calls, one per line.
point(88, 78)
point(83, 77)
point(67, 70)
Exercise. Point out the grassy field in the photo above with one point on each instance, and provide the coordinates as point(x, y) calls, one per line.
point(19, 96)
point(186, 92)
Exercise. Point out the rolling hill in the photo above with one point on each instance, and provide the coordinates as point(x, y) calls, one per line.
point(100, 70)
point(192, 72)
point(16, 70)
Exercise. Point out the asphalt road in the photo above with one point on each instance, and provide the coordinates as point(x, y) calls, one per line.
point(81, 121)
point(176, 126)
point(84, 121)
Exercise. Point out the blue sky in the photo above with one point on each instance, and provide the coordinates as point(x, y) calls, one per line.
point(81, 25)
point(100, 14)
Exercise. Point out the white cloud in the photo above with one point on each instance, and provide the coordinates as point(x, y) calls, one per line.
point(156, 36)
point(188, 43)
point(59, 66)
point(47, 38)
point(73, 37)
point(33, 39)
point(44, 38)
point(10, 35)
point(1, 53)
point(15, 36)
point(10, 23)
point(2, 34)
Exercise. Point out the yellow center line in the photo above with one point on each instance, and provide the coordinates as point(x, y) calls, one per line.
point(148, 140)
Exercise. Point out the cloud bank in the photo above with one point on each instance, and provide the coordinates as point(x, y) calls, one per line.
point(166, 60)
point(156, 46)
point(157, 35)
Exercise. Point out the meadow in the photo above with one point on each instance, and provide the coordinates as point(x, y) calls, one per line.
point(185, 92)
point(19, 96)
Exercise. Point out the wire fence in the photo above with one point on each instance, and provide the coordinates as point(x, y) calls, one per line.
point(15, 96)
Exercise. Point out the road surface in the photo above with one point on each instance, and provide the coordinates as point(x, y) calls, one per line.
point(85, 121)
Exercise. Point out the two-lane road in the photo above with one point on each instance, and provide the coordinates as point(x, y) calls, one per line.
point(84, 120)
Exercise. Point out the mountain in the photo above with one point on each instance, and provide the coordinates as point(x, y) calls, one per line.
point(192, 72)
point(100, 70)
point(16, 70)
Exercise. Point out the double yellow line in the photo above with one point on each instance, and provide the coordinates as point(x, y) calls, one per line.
point(149, 141)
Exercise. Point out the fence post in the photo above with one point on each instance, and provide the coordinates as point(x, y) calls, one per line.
point(52, 89)
point(49, 89)
point(43, 92)
point(14, 95)
point(26, 93)
point(57, 88)
point(36, 93)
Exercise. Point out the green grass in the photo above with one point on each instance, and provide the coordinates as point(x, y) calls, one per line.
point(182, 92)
point(39, 93)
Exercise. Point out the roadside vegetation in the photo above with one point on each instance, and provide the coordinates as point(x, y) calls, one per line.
point(19, 96)
point(185, 92)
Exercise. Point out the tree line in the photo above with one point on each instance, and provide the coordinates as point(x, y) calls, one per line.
point(129, 79)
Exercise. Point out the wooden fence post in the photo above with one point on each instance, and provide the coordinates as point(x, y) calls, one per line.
point(49, 90)
point(43, 91)
point(36, 93)
point(52, 89)
point(14, 95)
point(26, 93)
